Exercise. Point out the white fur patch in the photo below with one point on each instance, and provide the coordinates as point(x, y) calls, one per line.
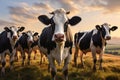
point(59, 19)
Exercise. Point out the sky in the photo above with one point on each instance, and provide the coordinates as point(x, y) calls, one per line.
point(93, 12)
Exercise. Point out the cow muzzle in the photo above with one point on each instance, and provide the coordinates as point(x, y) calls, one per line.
point(59, 37)
point(30, 41)
point(108, 37)
point(15, 37)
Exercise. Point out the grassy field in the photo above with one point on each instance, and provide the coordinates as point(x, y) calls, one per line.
point(111, 70)
point(113, 49)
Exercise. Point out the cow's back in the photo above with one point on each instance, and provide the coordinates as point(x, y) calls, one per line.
point(83, 40)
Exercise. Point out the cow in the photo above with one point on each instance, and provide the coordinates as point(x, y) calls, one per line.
point(34, 45)
point(8, 40)
point(24, 45)
point(93, 41)
point(56, 40)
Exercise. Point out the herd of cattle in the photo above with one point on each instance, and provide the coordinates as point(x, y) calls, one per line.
point(55, 41)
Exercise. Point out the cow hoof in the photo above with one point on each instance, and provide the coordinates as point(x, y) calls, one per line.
point(28, 63)
point(80, 66)
point(22, 64)
point(40, 63)
point(11, 68)
point(2, 74)
point(94, 69)
point(100, 68)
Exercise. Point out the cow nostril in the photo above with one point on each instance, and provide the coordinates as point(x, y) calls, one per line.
point(59, 37)
point(108, 38)
point(14, 37)
point(62, 36)
point(55, 35)
point(31, 41)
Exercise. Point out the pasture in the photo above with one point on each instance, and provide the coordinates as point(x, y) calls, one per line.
point(113, 49)
point(111, 70)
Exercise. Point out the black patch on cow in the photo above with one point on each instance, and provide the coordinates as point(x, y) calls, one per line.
point(97, 40)
point(77, 36)
point(35, 43)
point(85, 41)
point(5, 42)
point(103, 31)
point(23, 41)
point(46, 39)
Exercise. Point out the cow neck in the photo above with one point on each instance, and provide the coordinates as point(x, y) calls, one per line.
point(69, 39)
point(103, 40)
point(12, 42)
point(68, 35)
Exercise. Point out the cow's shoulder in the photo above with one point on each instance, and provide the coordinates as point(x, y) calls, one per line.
point(96, 38)
point(46, 38)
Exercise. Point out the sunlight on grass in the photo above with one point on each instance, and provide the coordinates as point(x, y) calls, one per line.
point(111, 70)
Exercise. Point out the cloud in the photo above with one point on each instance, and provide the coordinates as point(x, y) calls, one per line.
point(42, 6)
point(109, 6)
point(67, 5)
point(6, 23)
point(19, 14)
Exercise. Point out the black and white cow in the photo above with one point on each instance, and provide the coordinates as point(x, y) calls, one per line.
point(56, 40)
point(34, 45)
point(93, 41)
point(8, 39)
point(24, 45)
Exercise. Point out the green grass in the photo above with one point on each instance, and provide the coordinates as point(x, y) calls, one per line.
point(112, 49)
point(111, 70)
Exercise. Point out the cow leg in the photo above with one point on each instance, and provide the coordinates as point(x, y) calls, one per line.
point(94, 59)
point(23, 57)
point(35, 53)
point(16, 56)
point(76, 55)
point(12, 59)
point(49, 68)
point(41, 58)
point(29, 56)
point(101, 60)
point(52, 66)
point(81, 59)
point(65, 68)
point(3, 61)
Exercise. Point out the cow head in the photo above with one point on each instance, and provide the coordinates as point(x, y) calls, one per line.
point(59, 23)
point(13, 32)
point(105, 30)
point(29, 36)
point(35, 36)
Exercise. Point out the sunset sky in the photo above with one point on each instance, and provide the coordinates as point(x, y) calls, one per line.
point(92, 12)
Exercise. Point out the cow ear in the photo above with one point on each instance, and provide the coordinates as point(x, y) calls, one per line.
point(44, 19)
point(113, 28)
point(7, 29)
point(21, 29)
point(74, 20)
point(98, 27)
point(35, 34)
